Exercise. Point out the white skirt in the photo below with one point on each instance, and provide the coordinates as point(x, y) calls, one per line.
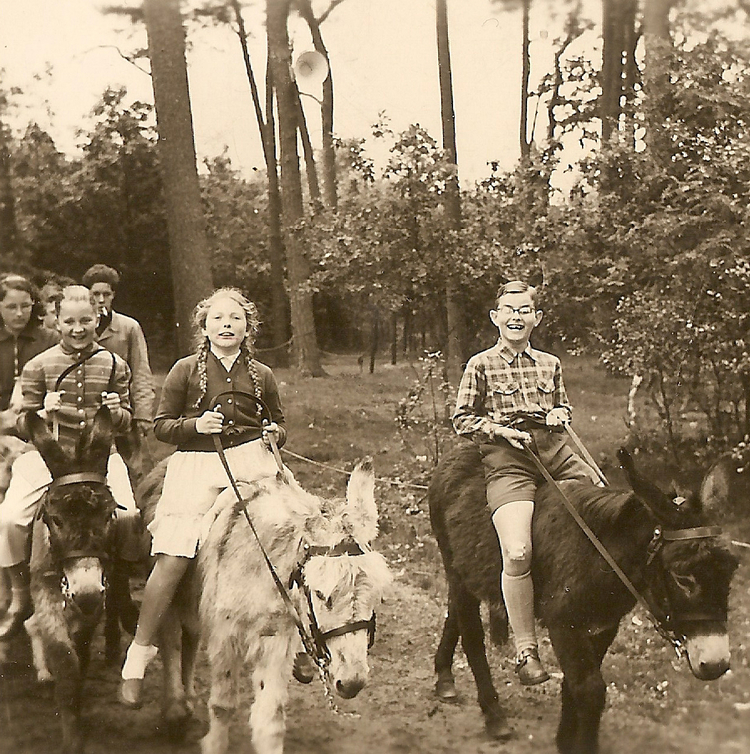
point(192, 483)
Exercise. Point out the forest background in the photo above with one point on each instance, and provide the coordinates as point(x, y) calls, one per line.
point(630, 195)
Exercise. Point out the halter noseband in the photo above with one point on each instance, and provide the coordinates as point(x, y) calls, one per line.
point(75, 478)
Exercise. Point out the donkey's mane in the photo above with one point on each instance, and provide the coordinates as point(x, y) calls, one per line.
point(600, 507)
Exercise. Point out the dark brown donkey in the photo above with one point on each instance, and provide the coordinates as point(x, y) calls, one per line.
point(72, 549)
point(681, 568)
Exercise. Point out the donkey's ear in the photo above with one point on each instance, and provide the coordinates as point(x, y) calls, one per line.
point(95, 443)
point(536, 279)
point(54, 456)
point(715, 491)
point(361, 510)
point(651, 495)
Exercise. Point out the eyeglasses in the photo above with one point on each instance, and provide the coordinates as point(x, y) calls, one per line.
point(524, 311)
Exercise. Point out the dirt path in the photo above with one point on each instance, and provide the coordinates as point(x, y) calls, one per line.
point(653, 707)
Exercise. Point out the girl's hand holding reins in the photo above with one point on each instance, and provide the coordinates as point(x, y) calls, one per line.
point(268, 429)
point(516, 437)
point(209, 422)
point(558, 416)
point(111, 400)
point(53, 401)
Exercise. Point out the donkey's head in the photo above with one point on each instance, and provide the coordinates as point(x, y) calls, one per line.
point(344, 581)
point(78, 510)
point(691, 568)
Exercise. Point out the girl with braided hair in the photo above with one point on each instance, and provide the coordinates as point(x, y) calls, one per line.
point(227, 324)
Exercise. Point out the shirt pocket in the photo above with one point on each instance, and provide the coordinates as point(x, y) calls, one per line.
point(506, 389)
point(546, 385)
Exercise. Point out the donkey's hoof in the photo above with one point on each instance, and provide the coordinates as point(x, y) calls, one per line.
point(177, 712)
point(497, 728)
point(445, 690)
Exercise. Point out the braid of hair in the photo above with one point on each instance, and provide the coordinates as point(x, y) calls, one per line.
point(252, 370)
point(202, 372)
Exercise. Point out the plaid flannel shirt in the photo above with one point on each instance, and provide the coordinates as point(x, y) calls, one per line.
point(499, 385)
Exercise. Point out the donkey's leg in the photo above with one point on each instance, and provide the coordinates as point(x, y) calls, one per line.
point(583, 689)
point(174, 709)
point(38, 652)
point(111, 627)
point(63, 663)
point(445, 686)
point(226, 661)
point(271, 687)
point(472, 641)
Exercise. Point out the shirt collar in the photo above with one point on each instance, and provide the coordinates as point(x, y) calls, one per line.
point(227, 361)
point(509, 354)
point(78, 353)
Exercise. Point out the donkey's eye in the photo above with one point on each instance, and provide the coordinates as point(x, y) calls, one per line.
point(327, 601)
point(56, 520)
point(687, 584)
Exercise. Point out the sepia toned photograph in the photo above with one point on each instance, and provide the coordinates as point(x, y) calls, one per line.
point(374, 376)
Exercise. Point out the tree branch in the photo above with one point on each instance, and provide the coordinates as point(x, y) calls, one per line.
point(327, 12)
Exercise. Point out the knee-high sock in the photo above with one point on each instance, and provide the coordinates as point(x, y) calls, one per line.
point(518, 593)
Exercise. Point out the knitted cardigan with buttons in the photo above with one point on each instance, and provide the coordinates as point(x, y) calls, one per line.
point(177, 414)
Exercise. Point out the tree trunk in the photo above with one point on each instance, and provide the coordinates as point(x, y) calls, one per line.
point(311, 171)
point(658, 44)
point(618, 30)
point(305, 344)
point(454, 312)
point(525, 75)
point(8, 227)
point(189, 256)
point(330, 184)
point(279, 303)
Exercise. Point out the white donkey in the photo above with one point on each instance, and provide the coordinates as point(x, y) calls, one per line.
point(321, 552)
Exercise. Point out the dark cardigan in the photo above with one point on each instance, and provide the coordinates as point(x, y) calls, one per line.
point(177, 414)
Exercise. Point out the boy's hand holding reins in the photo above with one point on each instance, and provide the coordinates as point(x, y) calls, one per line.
point(53, 401)
point(210, 422)
point(516, 437)
point(111, 400)
point(557, 417)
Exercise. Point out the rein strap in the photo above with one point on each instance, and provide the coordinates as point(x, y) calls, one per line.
point(639, 598)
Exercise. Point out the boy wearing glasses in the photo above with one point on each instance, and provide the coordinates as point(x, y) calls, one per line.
point(512, 396)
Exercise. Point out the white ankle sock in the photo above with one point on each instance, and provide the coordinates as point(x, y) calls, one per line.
point(137, 659)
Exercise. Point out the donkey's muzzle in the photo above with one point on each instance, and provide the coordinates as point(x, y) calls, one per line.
point(84, 586)
point(350, 688)
point(708, 655)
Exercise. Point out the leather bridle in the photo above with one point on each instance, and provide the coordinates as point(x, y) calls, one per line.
point(85, 477)
point(347, 546)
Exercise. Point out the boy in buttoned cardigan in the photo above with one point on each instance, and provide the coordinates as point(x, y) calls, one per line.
point(512, 396)
point(66, 385)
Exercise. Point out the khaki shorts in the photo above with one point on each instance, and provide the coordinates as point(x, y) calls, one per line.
point(511, 474)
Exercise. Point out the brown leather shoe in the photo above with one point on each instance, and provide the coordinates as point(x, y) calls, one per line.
point(304, 668)
point(130, 692)
point(530, 669)
point(12, 622)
